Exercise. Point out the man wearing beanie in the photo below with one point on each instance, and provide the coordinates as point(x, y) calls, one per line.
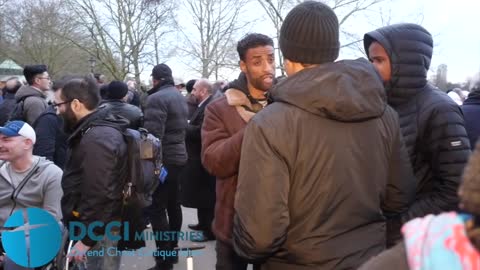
point(191, 100)
point(307, 196)
point(432, 123)
point(32, 98)
point(116, 100)
point(166, 118)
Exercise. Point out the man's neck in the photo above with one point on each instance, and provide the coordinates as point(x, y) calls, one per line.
point(255, 93)
point(22, 164)
point(84, 113)
point(36, 88)
point(203, 99)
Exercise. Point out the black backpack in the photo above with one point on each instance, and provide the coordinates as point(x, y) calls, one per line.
point(144, 168)
point(18, 112)
point(144, 165)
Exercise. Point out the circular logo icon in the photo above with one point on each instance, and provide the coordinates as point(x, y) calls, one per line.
point(33, 237)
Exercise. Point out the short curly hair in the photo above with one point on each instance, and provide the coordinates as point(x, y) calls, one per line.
point(250, 41)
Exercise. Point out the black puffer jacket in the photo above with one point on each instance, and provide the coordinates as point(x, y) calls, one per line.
point(95, 170)
point(432, 124)
point(321, 168)
point(166, 116)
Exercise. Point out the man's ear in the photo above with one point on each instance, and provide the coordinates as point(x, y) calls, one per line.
point(76, 106)
point(28, 144)
point(243, 66)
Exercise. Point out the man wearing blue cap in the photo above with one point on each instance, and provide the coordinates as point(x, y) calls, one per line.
point(26, 180)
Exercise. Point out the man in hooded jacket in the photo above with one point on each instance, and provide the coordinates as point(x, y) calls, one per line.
point(432, 123)
point(323, 166)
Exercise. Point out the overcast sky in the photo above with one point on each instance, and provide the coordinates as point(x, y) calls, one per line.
point(453, 24)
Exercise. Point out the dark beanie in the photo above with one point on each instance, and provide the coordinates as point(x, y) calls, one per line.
point(189, 85)
point(162, 72)
point(310, 34)
point(31, 70)
point(116, 90)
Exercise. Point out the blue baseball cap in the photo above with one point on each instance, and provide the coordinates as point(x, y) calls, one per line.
point(18, 128)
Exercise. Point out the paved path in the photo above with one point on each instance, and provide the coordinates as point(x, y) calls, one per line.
point(203, 261)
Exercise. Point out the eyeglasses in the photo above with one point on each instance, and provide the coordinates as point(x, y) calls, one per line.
point(44, 78)
point(56, 105)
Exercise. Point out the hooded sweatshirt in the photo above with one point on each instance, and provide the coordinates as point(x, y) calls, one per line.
point(321, 169)
point(42, 190)
point(35, 102)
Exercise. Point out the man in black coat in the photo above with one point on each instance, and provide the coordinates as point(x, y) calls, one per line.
point(198, 186)
point(95, 170)
point(115, 96)
point(431, 122)
point(166, 118)
point(471, 113)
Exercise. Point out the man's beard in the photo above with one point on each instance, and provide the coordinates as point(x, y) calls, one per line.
point(259, 83)
point(69, 121)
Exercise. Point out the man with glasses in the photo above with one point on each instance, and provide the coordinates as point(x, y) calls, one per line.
point(32, 98)
point(95, 168)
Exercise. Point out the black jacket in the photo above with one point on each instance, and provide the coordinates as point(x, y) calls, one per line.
point(198, 186)
point(432, 123)
point(471, 113)
point(7, 107)
point(165, 116)
point(51, 138)
point(321, 169)
point(95, 170)
point(128, 111)
point(392, 259)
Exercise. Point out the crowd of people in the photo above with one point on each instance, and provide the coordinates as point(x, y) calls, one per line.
point(352, 164)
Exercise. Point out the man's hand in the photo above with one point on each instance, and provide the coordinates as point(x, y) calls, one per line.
point(78, 252)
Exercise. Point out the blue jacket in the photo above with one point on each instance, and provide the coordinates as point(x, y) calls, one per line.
point(6, 107)
point(471, 114)
point(51, 140)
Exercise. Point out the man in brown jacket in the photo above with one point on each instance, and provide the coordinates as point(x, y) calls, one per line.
point(222, 135)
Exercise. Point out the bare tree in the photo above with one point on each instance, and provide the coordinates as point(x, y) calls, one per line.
point(217, 23)
point(120, 32)
point(275, 11)
point(27, 38)
point(345, 9)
